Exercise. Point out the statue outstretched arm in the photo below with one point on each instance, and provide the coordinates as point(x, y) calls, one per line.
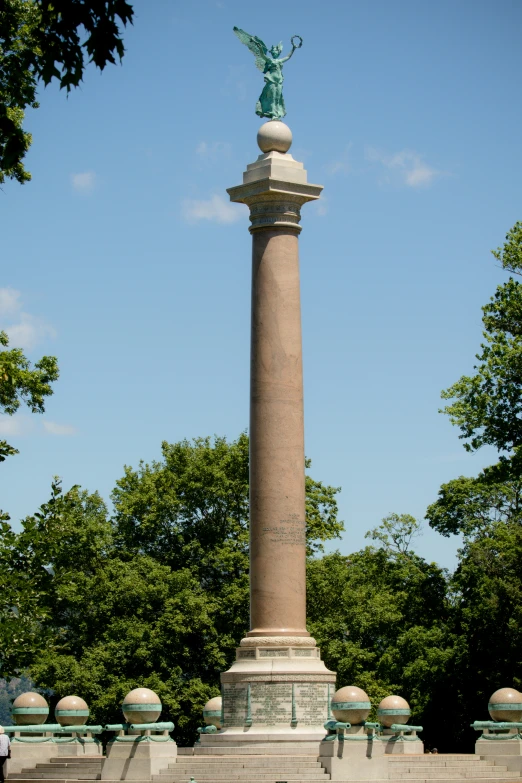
point(294, 47)
point(285, 59)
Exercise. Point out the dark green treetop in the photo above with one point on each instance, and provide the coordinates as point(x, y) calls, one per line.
point(46, 40)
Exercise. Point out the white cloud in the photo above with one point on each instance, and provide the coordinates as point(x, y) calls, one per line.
point(216, 209)
point(407, 166)
point(214, 150)
point(15, 425)
point(29, 332)
point(84, 181)
point(24, 330)
point(9, 302)
point(59, 429)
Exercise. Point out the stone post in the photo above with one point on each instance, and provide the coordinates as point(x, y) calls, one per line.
point(278, 689)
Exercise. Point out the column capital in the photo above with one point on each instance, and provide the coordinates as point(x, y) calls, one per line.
point(275, 188)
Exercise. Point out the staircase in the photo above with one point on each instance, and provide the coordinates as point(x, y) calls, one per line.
point(243, 769)
point(448, 768)
point(439, 768)
point(62, 768)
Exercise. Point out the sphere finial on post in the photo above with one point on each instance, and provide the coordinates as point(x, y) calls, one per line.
point(274, 136)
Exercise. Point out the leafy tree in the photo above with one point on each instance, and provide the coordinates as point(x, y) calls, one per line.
point(381, 619)
point(510, 254)
point(487, 406)
point(396, 533)
point(472, 505)
point(485, 592)
point(46, 40)
point(488, 613)
point(155, 596)
point(486, 587)
point(21, 384)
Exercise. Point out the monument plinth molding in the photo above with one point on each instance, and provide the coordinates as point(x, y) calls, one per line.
point(276, 695)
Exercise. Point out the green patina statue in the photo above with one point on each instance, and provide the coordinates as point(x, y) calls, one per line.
point(271, 103)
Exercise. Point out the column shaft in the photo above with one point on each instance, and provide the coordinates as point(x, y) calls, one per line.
point(277, 479)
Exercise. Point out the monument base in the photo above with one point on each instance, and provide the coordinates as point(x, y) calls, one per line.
point(261, 740)
point(276, 699)
point(501, 752)
point(28, 754)
point(362, 756)
point(137, 758)
point(77, 747)
point(401, 744)
point(499, 747)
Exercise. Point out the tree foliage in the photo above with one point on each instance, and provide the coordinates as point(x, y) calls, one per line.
point(487, 406)
point(19, 383)
point(44, 40)
point(157, 595)
point(382, 619)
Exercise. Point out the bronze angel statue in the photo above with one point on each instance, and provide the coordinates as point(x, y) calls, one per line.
point(271, 103)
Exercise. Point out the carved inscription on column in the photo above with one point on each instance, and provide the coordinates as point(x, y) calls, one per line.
point(271, 703)
point(288, 531)
point(311, 703)
point(235, 703)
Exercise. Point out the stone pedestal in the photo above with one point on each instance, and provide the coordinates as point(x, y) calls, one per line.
point(276, 694)
point(137, 758)
point(79, 746)
point(28, 751)
point(358, 758)
point(363, 755)
point(28, 754)
point(506, 752)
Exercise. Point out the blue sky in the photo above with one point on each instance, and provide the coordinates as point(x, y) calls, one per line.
point(124, 258)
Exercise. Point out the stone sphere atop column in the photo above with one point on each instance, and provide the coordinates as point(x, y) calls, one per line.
point(506, 705)
point(141, 706)
point(29, 709)
point(393, 709)
point(351, 705)
point(212, 712)
point(274, 136)
point(71, 711)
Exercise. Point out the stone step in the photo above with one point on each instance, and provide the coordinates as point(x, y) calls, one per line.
point(244, 764)
point(429, 758)
point(424, 769)
point(69, 765)
point(221, 770)
point(263, 749)
point(270, 778)
point(58, 773)
point(76, 759)
point(241, 774)
point(435, 761)
point(223, 775)
point(55, 775)
point(253, 759)
point(498, 773)
point(421, 768)
point(60, 780)
point(443, 780)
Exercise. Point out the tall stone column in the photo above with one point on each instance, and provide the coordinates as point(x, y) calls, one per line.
point(277, 693)
point(277, 490)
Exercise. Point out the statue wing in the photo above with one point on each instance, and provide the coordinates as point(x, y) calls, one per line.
point(256, 46)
